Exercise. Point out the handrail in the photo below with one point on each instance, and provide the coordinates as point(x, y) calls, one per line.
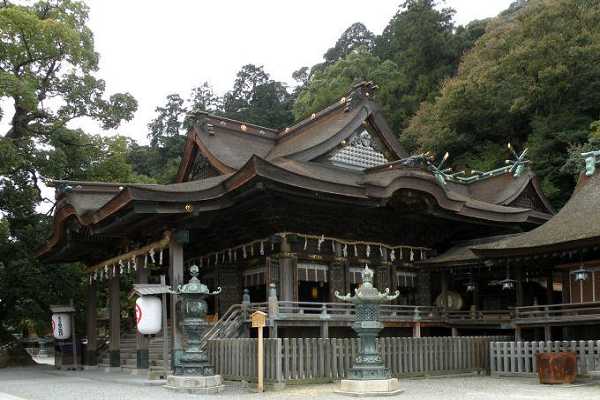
point(231, 313)
point(392, 312)
point(587, 303)
point(570, 310)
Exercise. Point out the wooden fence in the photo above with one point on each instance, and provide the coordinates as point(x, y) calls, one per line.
point(291, 360)
point(518, 358)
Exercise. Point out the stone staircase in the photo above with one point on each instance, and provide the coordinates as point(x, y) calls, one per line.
point(229, 326)
point(129, 356)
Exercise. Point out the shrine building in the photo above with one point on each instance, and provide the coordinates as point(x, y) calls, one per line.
point(282, 219)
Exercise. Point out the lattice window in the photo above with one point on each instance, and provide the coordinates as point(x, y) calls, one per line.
point(355, 275)
point(312, 272)
point(254, 277)
point(362, 151)
point(406, 279)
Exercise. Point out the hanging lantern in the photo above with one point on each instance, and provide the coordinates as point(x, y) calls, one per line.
point(148, 315)
point(508, 284)
point(581, 274)
point(61, 326)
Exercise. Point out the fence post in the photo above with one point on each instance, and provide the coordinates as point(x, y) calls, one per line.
point(280, 381)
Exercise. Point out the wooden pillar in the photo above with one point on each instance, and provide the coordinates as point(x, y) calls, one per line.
point(141, 341)
point(444, 285)
point(337, 274)
point(324, 317)
point(286, 272)
point(476, 299)
point(519, 295)
point(518, 334)
point(91, 328)
point(176, 279)
point(114, 287)
point(455, 332)
point(547, 333)
point(417, 330)
point(549, 288)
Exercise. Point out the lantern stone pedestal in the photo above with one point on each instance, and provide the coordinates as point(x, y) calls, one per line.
point(195, 384)
point(370, 388)
point(368, 375)
point(193, 371)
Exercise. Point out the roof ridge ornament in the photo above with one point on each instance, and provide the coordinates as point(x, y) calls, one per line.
point(517, 166)
point(439, 173)
point(592, 158)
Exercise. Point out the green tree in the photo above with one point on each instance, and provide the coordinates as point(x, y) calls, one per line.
point(257, 99)
point(167, 133)
point(356, 36)
point(327, 86)
point(47, 76)
point(533, 78)
point(420, 39)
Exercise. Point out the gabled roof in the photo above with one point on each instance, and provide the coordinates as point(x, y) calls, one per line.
point(576, 225)
point(367, 188)
point(228, 144)
point(248, 158)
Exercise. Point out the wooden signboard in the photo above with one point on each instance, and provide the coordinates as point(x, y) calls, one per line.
point(259, 320)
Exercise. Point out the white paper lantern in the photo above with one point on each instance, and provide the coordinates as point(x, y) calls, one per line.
point(61, 326)
point(148, 315)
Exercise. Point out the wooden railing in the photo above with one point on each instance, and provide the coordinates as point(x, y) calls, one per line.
point(326, 360)
point(557, 313)
point(518, 358)
point(291, 310)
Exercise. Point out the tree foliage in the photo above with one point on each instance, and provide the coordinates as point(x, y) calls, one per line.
point(533, 78)
point(355, 37)
point(258, 99)
point(327, 86)
point(47, 75)
point(419, 48)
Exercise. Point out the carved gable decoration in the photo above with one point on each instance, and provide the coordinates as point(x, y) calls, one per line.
point(201, 169)
point(529, 199)
point(361, 150)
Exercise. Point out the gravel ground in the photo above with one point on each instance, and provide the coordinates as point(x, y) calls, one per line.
point(46, 383)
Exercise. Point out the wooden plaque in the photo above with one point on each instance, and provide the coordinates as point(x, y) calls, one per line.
point(258, 319)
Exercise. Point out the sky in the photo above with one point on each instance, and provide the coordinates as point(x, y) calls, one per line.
point(151, 50)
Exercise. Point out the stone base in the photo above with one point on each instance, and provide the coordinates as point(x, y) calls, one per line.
point(195, 384)
point(371, 387)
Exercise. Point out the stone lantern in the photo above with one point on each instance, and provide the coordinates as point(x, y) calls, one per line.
point(368, 375)
point(193, 372)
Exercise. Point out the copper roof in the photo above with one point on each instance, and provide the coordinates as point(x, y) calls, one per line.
point(246, 155)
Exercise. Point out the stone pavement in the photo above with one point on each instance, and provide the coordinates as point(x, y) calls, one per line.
point(46, 383)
